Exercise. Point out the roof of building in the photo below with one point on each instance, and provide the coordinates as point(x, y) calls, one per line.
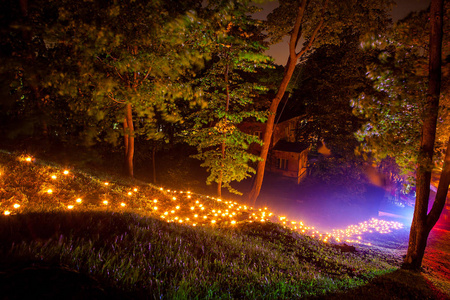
point(286, 146)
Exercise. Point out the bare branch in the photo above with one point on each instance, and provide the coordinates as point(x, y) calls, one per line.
point(314, 35)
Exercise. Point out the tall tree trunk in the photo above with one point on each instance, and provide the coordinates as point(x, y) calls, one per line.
point(423, 223)
point(288, 71)
point(129, 140)
point(154, 164)
point(223, 147)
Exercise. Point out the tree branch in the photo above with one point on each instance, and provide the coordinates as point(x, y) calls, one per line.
point(295, 35)
point(315, 32)
point(110, 96)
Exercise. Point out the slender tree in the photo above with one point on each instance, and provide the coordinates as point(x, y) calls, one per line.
point(317, 23)
point(423, 222)
point(236, 51)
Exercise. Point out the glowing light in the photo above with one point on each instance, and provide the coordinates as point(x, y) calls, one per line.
point(155, 208)
point(105, 202)
point(233, 222)
point(66, 172)
point(16, 205)
point(174, 198)
point(123, 204)
point(6, 212)
point(28, 159)
point(213, 221)
point(106, 183)
point(130, 193)
point(135, 190)
point(70, 206)
point(53, 177)
point(49, 191)
point(155, 200)
point(79, 200)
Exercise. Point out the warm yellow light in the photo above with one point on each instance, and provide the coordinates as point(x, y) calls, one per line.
point(189, 196)
point(192, 208)
point(178, 207)
point(70, 206)
point(174, 198)
point(28, 159)
point(16, 205)
point(233, 222)
point(213, 221)
point(130, 193)
point(105, 202)
point(106, 183)
point(155, 208)
point(53, 176)
point(154, 200)
point(66, 172)
point(135, 189)
point(122, 204)
point(195, 216)
point(79, 200)
point(50, 191)
point(6, 212)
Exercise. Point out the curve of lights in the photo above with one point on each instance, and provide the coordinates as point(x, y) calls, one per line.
point(185, 207)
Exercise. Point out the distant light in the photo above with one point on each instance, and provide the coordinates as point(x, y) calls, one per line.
point(66, 172)
point(78, 200)
point(155, 208)
point(130, 193)
point(174, 198)
point(105, 202)
point(233, 222)
point(122, 204)
point(70, 206)
point(6, 212)
point(49, 191)
point(53, 176)
point(135, 189)
point(28, 159)
point(16, 205)
point(106, 183)
point(155, 200)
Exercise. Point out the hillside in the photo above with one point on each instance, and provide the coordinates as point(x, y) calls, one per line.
point(66, 232)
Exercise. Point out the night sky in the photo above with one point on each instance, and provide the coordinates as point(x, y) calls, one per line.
point(279, 51)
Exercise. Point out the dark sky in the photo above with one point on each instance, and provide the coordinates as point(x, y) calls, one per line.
point(280, 51)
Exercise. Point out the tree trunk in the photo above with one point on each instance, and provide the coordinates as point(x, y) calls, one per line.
point(223, 146)
point(423, 223)
point(154, 164)
point(288, 71)
point(129, 140)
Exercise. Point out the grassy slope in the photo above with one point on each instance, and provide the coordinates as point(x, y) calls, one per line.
point(97, 250)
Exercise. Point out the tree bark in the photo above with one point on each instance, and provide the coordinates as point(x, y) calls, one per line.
point(289, 70)
point(129, 140)
point(422, 223)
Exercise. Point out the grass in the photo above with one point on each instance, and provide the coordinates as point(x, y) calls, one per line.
point(136, 251)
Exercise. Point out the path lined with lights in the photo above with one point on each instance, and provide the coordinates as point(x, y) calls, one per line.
point(185, 207)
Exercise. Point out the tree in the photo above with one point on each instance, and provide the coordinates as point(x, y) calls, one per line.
point(405, 115)
point(126, 63)
point(423, 222)
point(307, 21)
point(236, 51)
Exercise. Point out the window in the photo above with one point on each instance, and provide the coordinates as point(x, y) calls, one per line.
point(282, 163)
point(258, 134)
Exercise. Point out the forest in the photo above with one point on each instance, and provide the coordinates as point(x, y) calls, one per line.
point(183, 95)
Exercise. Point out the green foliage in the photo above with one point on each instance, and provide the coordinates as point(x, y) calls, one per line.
point(394, 106)
point(229, 91)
